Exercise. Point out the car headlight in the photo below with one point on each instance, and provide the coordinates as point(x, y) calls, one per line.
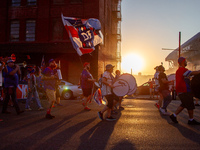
point(66, 88)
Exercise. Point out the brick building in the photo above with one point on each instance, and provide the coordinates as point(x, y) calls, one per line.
point(35, 28)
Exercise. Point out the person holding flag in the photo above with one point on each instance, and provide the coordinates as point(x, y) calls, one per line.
point(87, 83)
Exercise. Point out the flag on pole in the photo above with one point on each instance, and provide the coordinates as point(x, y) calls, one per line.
point(98, 98)
point(42, 64)
point(84, 34)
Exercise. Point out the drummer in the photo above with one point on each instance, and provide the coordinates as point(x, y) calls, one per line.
point(87, 82)
point(107, 92)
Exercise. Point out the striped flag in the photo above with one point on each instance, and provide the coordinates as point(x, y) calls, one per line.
point(84, 34)
point(42, 64)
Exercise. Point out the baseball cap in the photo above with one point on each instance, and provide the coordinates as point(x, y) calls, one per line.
point(9, 61)
point(85, 64)
point(181, 59)
point(51, 60)
point(109, 66)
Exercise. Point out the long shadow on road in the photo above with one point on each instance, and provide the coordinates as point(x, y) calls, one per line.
point(37, 137)
point(98, 136)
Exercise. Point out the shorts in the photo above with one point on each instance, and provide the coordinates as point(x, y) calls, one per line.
point(57, 92)
point(116, 98)
point(51, 95)
point(187, 100)
point(87, 92)
point(110, 99)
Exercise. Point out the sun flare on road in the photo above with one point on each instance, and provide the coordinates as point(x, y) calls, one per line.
point(134, 62)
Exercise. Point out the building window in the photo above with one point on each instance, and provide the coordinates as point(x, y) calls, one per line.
point(31, 2)
point(30, 30)
point(16, 2)
point(14, 31)
point(76, 1)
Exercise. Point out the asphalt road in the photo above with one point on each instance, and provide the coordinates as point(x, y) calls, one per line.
point(138, 126)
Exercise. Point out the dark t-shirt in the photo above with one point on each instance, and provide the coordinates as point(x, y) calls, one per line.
point(85, 84)
point(10, 80)
point(163, 86)
point(50, 83)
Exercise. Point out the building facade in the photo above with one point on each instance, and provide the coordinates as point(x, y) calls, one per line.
point(35, 28)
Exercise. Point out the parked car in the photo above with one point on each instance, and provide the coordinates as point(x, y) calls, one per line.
point(143, 89)
point(68, 90)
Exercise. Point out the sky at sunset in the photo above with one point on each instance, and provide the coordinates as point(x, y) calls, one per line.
point(150, 25)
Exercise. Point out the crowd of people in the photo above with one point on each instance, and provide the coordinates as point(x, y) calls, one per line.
point(183, 90)
point(10, 72)
point(160, 84)
point(105, 83)
point(9, 80)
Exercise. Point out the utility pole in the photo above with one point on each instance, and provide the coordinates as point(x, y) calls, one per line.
point(179, 50)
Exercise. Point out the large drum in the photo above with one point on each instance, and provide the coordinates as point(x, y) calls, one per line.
point(195, 85)
point(130, 80)
point(121, 87)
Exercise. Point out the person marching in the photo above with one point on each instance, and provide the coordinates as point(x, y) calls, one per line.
point(157, 85)
point(164, 89)
point(107, 92)
point(11, 81)
point(32, 90)
point(87, 83)
point(184, 92)
point(2, 67)
point(50, 78)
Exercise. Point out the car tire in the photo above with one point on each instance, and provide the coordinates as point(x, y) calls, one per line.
point(67, 94)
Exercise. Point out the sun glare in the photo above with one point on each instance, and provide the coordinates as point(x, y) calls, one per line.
point(132, 62)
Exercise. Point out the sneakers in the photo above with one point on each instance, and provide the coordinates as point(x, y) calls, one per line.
point(162, 110)
point(86, 108)
point(41, 108)
point(100, 115)
point(49, 116)
point(114, 112)
point(27, 109)
point(173, 118)
point(59, 104)
point(110, 118)
point(157, 105)
point(193, 122)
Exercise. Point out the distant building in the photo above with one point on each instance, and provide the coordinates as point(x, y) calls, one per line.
point(190, 50)
point(35, 28)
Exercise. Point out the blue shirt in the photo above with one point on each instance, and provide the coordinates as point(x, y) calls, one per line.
point(49, 83)
point(85, 84)
point(10, 80)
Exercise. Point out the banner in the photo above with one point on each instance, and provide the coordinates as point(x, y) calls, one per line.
point(84, 34)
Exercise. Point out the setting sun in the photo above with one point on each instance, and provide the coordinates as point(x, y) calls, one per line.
point(132, 61)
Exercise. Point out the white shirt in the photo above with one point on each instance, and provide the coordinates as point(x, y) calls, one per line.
point(106, 90)
point(156, 76)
